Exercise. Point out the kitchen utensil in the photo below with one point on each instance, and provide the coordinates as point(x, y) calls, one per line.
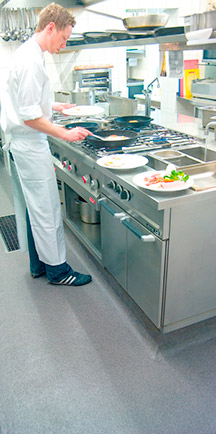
point(91, 126)
point(87, 212)
point(107, 139)
point(96, 36)
point(110, 144)
point(76, 38)
point(139, 22)
point(117, 35)
point(167, 31)
point(146, 21)
point(133, 121)
point(83, 96)
point(6, 33)
point(99, 137)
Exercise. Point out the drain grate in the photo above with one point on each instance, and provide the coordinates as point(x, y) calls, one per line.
point(8, 232)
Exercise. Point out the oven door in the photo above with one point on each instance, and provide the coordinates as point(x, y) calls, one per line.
point(135, 257)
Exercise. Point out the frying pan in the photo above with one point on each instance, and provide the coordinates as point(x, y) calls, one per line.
point(133, 121)
point(140, 22)
point(96, 36)
point(91, 126)
point(112, 144)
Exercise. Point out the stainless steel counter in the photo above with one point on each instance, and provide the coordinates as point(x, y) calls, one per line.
point(160, 247)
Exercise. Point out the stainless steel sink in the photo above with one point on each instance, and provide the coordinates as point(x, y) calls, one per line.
point(182, 161)
point(167, 153)
point(155, 164)
point(201, 153)
point(204, 175)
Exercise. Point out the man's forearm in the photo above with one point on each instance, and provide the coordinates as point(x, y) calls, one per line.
point(45, 126)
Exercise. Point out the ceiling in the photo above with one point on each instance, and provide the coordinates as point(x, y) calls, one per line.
point(42, 3)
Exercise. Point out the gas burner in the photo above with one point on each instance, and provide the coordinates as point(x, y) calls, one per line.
point(149, 138)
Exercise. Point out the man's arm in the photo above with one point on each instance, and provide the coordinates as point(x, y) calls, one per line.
point(45, 126)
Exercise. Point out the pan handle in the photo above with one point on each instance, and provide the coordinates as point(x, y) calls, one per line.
point(104, 14)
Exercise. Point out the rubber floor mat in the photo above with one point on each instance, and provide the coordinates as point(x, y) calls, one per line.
point(8, 231)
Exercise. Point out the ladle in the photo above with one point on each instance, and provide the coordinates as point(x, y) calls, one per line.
point(7, 34)
point(13, 25)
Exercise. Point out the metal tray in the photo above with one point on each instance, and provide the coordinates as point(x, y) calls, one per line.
point(204, 175)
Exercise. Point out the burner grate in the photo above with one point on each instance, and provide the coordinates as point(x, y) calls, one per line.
point(149, 138)
point(8, 231)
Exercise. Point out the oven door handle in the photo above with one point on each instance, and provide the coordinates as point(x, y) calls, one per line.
point(145, 238)
point(118, 215)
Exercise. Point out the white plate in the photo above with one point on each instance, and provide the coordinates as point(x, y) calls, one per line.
point(199, 34)
point(84, 110)
point(122, 161)
point(142, 181)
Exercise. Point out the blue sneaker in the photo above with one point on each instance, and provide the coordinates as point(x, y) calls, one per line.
point(74, 279)
point(36, 275)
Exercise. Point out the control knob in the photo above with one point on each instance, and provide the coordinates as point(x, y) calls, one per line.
point(119, 189)
point(72, 167)
point(65, 164)
point(111, 184)
point(86, 179)
point(94, 184)
point(125, 195)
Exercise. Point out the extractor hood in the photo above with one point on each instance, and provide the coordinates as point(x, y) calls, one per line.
point(42, 3)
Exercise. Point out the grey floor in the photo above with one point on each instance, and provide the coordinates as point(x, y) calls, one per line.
point(84, 361)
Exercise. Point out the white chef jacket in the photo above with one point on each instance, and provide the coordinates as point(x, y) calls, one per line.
point(27, 93)
point(27, 97)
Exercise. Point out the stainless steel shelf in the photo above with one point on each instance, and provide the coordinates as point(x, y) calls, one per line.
point(167, 43)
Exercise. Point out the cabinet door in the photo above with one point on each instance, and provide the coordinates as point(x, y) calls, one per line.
point(113, 241)
point(146, 269)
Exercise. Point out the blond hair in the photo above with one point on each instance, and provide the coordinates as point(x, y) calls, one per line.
point(56, 14)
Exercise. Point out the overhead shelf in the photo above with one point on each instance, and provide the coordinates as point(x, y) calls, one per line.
point(167, 43)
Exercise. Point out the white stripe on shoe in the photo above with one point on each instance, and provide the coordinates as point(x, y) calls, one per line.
point(66, 281)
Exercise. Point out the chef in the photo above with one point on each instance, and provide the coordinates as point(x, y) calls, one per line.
point(25, 117)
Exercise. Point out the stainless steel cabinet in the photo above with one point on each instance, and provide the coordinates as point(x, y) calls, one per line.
point(113, 241)
point(135, 257)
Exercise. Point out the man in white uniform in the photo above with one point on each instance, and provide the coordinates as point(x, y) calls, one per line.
point(26, 114)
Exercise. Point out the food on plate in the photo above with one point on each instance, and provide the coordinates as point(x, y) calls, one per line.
point(177, 176)
point(114, 161)
point(162, 181)
point(115, 137)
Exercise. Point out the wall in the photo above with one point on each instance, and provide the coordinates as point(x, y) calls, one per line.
point(60, 66)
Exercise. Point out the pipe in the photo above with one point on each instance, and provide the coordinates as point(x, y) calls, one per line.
point(150, 84)
point(147, 94)
point(210, 124)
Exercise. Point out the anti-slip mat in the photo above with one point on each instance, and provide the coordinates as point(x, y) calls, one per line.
point(8, 232)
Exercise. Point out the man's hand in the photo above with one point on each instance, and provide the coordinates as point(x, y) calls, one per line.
point(60, 106)
point(77, 133)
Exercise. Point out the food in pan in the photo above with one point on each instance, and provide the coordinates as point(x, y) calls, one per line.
point(115, 137)
point(133, 121)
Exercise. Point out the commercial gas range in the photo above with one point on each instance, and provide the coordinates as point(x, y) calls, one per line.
point(138, 231)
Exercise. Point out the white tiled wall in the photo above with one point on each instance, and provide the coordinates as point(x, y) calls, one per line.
point(60, 66)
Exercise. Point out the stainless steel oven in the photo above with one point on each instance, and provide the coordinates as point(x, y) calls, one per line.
point(135, 256)
point(98, 79)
